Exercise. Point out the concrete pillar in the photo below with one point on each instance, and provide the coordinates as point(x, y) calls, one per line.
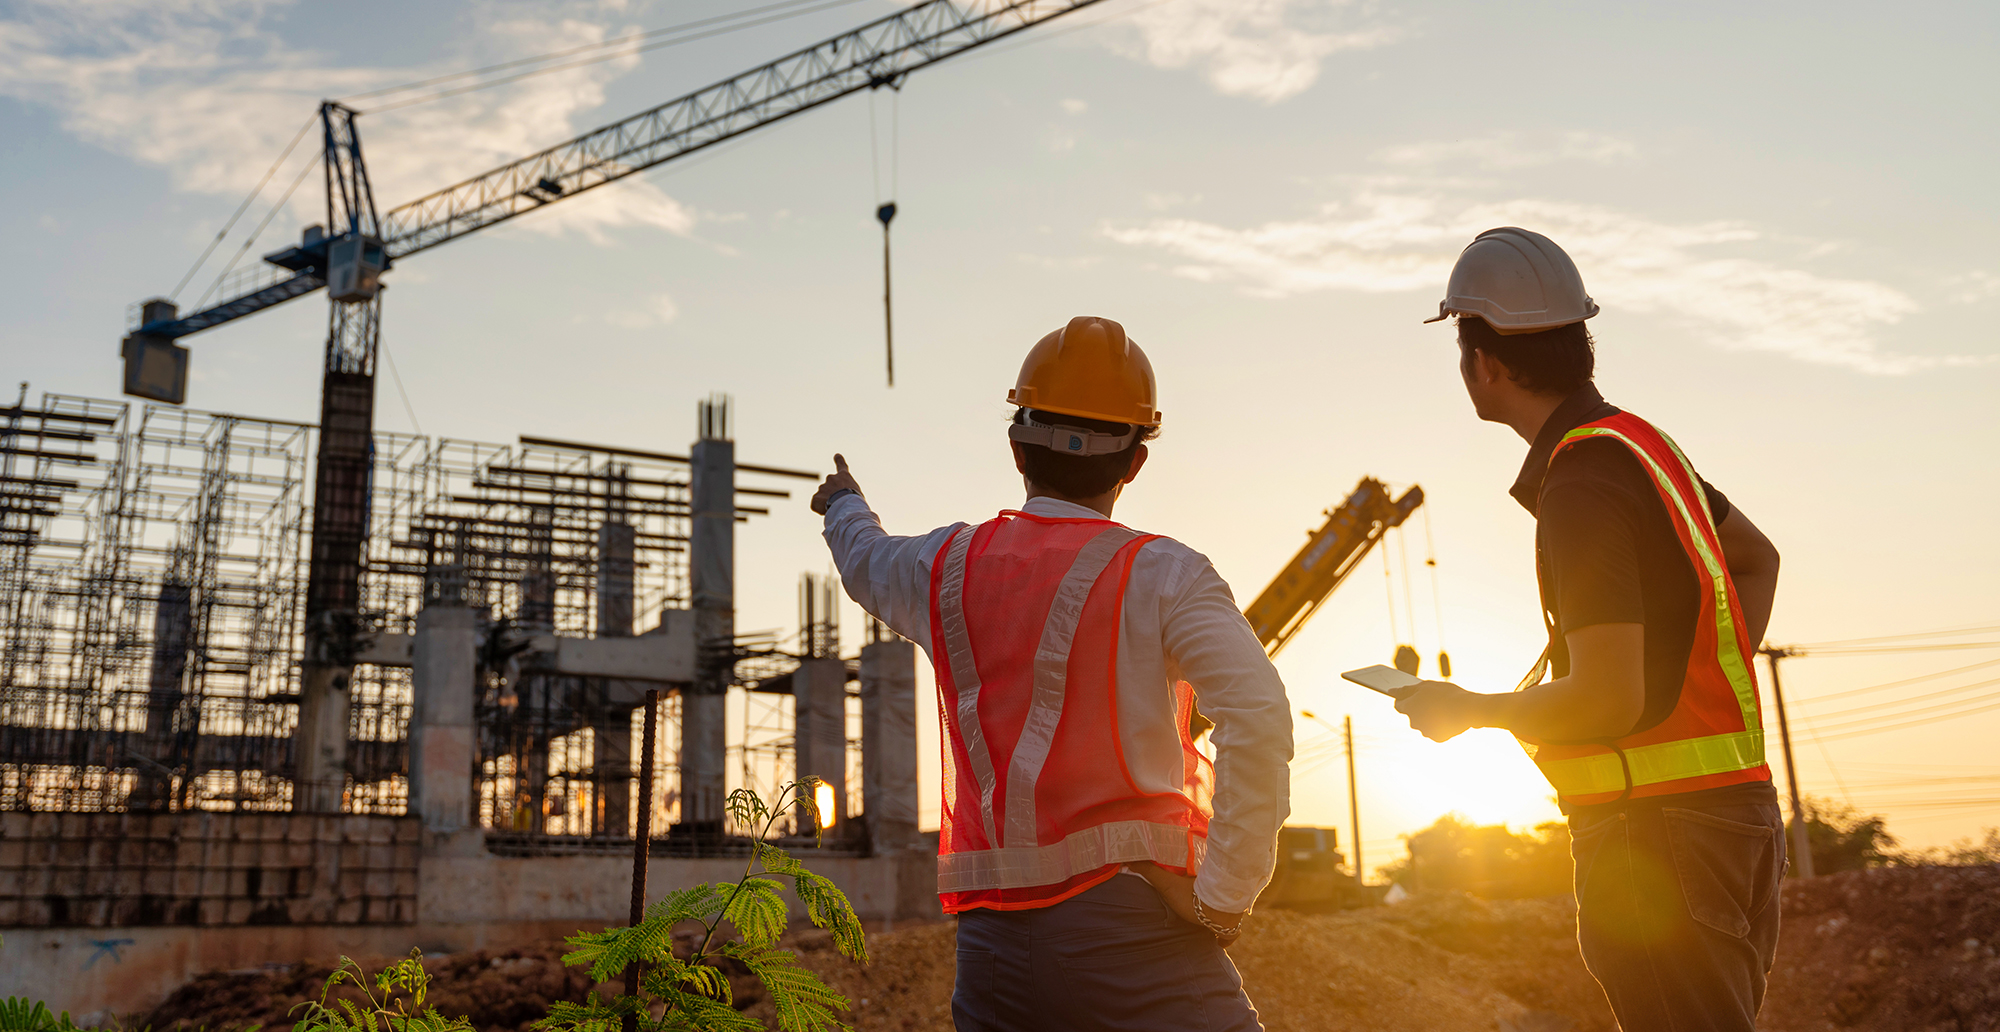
point(889, 743)
point(333, 589)
point(444, 671)
point(819, 736)
point(172, 620)
point(615, 545)
point(611, 727)
point(712, 576)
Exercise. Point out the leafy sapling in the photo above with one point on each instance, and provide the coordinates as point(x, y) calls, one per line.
point(386, 1013)
point(691, 990)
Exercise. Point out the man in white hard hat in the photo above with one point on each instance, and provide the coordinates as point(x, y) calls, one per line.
point(1095, 883)
point(1655, 589)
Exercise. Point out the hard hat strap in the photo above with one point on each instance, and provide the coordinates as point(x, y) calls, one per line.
point(1070, 440)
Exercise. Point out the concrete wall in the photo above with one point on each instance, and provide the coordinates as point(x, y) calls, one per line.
point(467, 903)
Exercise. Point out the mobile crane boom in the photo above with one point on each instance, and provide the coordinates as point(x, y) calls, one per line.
point(1330, 554)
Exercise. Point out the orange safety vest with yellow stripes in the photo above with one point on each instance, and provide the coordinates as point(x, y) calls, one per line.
point(1039, 804)
point(1715, 734)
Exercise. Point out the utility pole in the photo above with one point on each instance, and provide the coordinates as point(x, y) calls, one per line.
point(1353, 796)
point(1802, 860)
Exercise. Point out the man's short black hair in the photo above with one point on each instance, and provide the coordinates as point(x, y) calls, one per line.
point(1558, 361)
point(1080, 476)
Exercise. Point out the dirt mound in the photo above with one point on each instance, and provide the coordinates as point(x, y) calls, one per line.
point(1887, 950)
point(1438, 964)
point(1899, 948)
point(502, 991)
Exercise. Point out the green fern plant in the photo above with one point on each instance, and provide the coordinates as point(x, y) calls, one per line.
point(691, 989)
point(385, 1012)
point(20, 1014)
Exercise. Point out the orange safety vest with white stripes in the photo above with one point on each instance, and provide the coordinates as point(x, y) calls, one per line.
point(1715, 734)
point(1039, 804)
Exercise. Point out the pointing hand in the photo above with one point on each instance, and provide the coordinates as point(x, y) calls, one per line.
point(841, 480)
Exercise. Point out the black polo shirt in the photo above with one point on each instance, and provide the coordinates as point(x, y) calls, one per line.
point(1606, 552)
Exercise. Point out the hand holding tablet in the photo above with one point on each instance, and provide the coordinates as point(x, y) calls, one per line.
point(1385, 679)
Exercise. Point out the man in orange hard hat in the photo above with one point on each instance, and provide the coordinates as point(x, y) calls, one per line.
point(1097, 862)
point(1654, 589)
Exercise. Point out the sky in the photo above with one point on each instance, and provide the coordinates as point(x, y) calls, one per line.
point(1785, 211)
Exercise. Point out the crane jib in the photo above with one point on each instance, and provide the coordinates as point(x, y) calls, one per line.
point(879, 53)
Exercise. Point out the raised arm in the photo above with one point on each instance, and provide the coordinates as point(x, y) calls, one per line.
point(888, 576)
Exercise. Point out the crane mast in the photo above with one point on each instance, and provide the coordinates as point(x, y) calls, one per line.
point(348, 254)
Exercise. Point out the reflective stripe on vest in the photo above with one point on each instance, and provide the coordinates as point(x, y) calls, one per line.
point(1016, 867)
point(1017, 859)
point(1659, 762)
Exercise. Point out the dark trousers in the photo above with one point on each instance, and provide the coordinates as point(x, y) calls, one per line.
point(1677, 912)
point(1111, 958)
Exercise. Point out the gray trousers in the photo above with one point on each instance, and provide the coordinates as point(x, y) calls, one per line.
point(1677, 912)
point(1111, 958)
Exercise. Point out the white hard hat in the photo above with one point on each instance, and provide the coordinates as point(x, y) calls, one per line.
point(1519, 281)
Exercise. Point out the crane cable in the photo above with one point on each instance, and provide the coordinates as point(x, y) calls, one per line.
point(600, 58)
point(885, 210)
point(251, 241)
point(241, 208)
point(1437, 596)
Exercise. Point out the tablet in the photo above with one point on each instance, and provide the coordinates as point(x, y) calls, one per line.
point(1385, 679)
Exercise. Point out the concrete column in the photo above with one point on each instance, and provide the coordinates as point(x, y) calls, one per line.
point(819, 736)
point(616, 543)
point(333, 589)
point(172, 619)
point(889, 743)
point(611, 729)
point(712, 575)
point(443, 747)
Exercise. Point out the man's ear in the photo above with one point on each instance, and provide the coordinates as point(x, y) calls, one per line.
point(1020, 458)
point(1138, 462)
point(1488, 369)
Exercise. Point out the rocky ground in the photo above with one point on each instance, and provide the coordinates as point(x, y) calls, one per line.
point(1890, 950)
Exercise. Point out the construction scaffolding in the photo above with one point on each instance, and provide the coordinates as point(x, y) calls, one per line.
point(152, 566)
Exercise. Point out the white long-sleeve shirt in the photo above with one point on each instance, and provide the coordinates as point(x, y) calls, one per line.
point(1180, 623)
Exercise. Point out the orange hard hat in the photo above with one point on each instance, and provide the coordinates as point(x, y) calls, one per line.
point(1090, 369)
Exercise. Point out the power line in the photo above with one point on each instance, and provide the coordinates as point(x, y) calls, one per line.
point(1843, 725)
point(1913, 723)
point(1813, 646)
point(601, 58)
point(1874, 707)
point(1870, 650)
point(1904, 682)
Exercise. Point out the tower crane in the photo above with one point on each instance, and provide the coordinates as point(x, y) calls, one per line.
point(358, 243)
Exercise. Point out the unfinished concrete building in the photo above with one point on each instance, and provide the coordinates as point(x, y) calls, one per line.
point(172, 758)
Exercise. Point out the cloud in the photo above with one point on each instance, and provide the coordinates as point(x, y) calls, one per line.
point(1074, 107)
point(1395, 236)
point(209, 91)
point(658, 310)
point(1509, 150)
point(1974, 286)
point(1265, 50)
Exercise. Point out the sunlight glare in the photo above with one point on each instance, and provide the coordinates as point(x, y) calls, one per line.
point(823, 798)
